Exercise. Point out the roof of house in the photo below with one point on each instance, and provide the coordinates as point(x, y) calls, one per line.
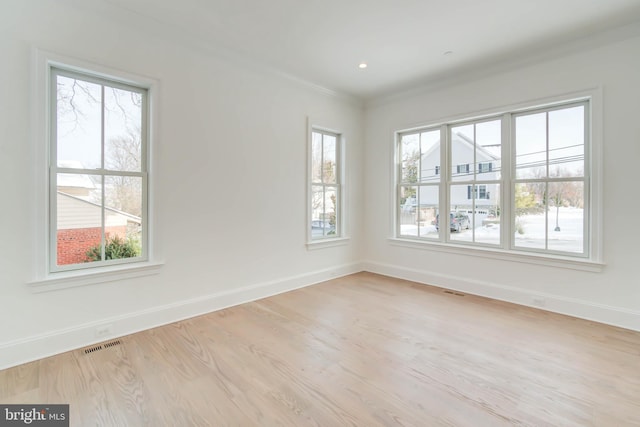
point(492, 152)
point(129, 217)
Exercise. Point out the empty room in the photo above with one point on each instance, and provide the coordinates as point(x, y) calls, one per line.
point(319, 213)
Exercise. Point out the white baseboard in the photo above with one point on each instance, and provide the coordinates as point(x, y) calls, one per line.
point(615, 316)
point(39, 346)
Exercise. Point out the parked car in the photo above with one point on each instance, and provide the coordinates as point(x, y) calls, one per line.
point(458, 221)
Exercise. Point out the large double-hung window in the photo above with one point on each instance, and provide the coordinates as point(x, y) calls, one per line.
point(551, 205)
point(97, 171)
point(517, 182)
point(326, 185)
point(418, 192)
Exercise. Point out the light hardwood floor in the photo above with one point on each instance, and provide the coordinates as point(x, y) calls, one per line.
point(363, 350)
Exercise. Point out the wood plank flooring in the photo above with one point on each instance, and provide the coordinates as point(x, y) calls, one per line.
point(363, 350)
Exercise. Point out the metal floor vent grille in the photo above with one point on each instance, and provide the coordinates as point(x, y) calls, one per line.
point(99, 347)
point(447, 291)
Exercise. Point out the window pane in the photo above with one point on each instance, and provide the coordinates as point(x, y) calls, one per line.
point(461, 213)
point(123, 216)
point(317, 211)
point(316, 157)
point(488, 149)
point(410, 157)
point(531, 146)
point(485, 219)
point(530, 215)
point(324, 209)
point(462, 153)
point(331, 210)
point(465, 132)
point(79, 118)
point(427, 209)
point(124, 193)
point(123, 124)
point(430, 156)
point(79, 219)
point(566, 142)
point(329, 160)
point(408, 214)
point(566, 216)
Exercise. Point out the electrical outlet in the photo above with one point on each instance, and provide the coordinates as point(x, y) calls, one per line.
point(539, 302)
point(104, 330)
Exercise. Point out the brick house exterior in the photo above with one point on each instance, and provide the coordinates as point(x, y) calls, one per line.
point(79, 227)
point(74, 243)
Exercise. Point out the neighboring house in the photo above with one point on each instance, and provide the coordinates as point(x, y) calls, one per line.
point(80, 227)
point(485, 196)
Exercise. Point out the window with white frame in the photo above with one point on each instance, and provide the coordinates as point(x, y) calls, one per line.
point(325, 183)
point(475, 143)
point(550, 181)
point(419, 180)
point(522, 178)
point(97, 171)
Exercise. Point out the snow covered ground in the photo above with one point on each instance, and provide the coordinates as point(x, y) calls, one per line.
point(529, 233)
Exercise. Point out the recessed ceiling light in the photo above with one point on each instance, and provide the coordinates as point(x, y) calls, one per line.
point(362, 65)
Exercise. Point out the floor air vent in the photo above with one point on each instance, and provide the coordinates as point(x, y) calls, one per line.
point(112, 343)
point(447, 291)
point(99, 347)
point(92, 349)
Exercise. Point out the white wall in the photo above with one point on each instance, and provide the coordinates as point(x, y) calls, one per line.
point(230, 180)
point(611, 296)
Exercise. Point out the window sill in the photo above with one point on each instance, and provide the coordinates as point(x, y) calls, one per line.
point(504, 255)
point(71, 279)
point(327, 243)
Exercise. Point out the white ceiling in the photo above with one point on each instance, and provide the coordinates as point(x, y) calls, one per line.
point(403, 41)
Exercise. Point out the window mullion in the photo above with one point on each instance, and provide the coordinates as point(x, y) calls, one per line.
point(418, 184)
point(445, 178)
point(476, 194)
point(588, 228)
point(397, 183)
point(507, 182)
point(546, 190)
point(52, 259)
point(103, 237)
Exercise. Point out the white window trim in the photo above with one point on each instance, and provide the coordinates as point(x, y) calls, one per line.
point(593, 155)
point(342, 238)
point(42, 278)
point(572, 263)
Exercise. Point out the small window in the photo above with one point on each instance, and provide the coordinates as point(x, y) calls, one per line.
point(485, 167)
point(98, 171)
point(477, 192)
point(462, 168)
point(326, 183)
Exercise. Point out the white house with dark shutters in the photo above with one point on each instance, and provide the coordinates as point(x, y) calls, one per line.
point(486, 165)
point(479, 198)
